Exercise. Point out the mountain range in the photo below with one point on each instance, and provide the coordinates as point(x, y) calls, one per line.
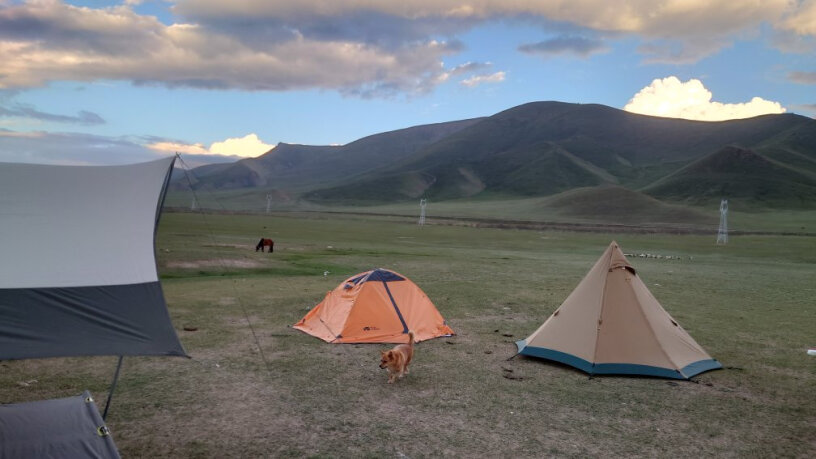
point(543, 149)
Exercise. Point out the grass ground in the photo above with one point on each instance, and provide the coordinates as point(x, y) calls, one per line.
point(749, 304)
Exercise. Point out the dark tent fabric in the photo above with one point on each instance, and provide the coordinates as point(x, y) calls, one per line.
point(57, 322)
point(61, 428)
point(78, 272)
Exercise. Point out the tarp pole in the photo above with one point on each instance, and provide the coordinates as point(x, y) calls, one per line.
point(113, 387)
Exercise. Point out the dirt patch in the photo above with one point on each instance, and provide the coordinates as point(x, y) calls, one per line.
point(215, 263)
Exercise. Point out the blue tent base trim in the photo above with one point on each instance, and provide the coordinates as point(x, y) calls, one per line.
point(686, 372)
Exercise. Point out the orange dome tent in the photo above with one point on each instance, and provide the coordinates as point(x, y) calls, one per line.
point(377, 306)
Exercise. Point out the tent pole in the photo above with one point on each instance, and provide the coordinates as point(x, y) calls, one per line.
point(113, 387)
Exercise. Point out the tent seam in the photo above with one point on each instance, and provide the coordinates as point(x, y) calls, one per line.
point(396, 308)
point(599, 322)
point(652, 331)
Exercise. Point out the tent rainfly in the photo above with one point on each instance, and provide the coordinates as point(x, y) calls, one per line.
point(377, 306)
point(611, 324)
point(78, 278)
point(66, 427)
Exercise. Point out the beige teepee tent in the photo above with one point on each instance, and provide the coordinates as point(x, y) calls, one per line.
point(611, 324)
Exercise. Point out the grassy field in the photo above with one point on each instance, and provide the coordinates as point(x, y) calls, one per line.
point(749, 304)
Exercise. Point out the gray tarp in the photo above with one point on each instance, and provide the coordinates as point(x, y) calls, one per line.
point(60, 428)
point(77, 261)
point(105, 320)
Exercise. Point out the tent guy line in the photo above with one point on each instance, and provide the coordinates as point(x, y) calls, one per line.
point(187, 172)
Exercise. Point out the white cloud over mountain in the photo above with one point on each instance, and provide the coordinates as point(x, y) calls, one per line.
point(672, 98)
point(248, 146)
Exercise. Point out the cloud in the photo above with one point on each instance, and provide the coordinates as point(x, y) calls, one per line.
point(248, 146)
point(365, 48)
point(474, 81)
point(701, 26)
point(461, 69)
point(565, 44)
point(675, 52)
point(171, 146)
point(84, 149)
point(801, 20)
point(71, 149)
point(469, 67)
point(669, 97)
point(803, 77)
point(26, 111)
point(48, 40)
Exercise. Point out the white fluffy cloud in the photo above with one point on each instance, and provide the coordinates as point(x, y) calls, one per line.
point(670, 97)
point(248, 146)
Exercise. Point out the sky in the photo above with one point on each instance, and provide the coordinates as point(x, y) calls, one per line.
point(106, 82)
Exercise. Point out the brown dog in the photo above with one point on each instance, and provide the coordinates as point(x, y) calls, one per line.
point(397, 359)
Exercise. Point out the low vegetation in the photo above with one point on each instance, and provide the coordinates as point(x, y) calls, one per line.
point(255, 387)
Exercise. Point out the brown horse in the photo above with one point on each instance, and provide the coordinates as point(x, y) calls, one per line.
point(264, 243)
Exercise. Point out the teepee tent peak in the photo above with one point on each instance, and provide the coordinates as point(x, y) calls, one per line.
point(612, 324)
point(377, 306)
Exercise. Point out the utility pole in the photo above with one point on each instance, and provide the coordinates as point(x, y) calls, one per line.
point(722, 233)
point(422, 204)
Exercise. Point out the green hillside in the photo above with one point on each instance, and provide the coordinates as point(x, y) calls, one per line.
point(542, 149)
point(303, 167)
point(614, 204)
point(740, 175)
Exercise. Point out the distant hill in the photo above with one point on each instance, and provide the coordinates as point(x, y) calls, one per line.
point(614, 204)
point(299, 167)
point(740, 175)
point(546, 148)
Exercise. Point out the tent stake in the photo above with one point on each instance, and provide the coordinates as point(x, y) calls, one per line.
point(113, 387)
